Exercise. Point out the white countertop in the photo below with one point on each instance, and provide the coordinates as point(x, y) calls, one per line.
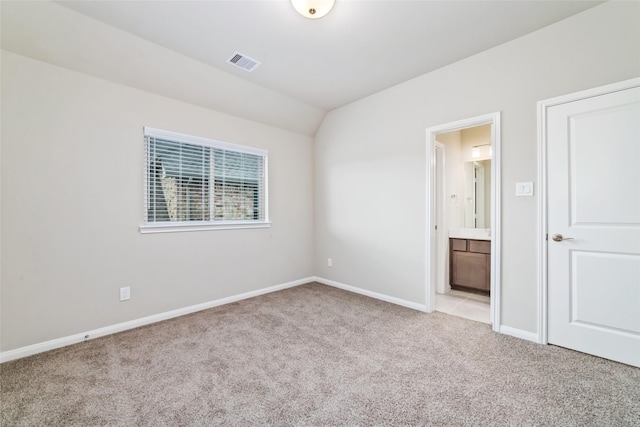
point(471, 233)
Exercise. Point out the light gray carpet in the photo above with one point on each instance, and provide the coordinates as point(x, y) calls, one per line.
point(315, 355)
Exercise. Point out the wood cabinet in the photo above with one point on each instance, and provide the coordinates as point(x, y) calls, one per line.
point(470, 264)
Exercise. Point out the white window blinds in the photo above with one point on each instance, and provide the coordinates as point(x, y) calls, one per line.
point(238, 192)
point(192, 180)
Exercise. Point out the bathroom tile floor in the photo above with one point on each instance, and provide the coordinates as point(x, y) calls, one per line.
point(465, 304)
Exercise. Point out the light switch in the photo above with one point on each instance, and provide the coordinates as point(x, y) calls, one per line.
point(524, 189)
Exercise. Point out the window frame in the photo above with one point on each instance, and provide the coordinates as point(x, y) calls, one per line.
point(181, 226)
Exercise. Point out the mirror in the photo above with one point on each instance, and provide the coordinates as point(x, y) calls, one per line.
point(477, 205)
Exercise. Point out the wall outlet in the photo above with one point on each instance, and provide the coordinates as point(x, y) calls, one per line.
point(329, 262)
point(125, 293)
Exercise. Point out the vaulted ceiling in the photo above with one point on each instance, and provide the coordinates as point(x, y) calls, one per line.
point(308, 67)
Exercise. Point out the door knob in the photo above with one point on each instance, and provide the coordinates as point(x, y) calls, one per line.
point(558, 238)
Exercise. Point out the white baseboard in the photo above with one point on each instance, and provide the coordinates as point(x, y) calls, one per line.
point(507, 330)
point(383, 297)
point(119, 327)
point(519, 333)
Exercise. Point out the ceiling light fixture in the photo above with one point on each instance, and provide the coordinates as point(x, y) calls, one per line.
point(313, 9)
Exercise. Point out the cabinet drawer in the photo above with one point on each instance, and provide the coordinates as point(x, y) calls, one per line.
point(459, 245)
point(480, 246)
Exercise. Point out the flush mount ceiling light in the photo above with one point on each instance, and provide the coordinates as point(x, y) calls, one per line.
point(313, 9)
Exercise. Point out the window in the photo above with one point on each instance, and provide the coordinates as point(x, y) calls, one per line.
point(195, 183)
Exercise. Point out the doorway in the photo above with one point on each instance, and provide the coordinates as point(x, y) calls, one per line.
point(439, 196)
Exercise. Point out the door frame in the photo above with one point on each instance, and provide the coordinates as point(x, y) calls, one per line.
point(543, 106)
point(496, 225)
point(439, 212)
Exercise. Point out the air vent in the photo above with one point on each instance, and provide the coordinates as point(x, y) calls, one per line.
point(243, 61)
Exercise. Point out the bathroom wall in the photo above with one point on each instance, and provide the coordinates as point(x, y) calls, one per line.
point(479, 136)
point(454, 179)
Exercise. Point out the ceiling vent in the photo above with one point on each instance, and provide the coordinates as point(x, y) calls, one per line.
point(243, 61)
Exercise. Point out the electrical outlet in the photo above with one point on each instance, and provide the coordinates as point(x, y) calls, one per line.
point(329, 262)
point(125, 293)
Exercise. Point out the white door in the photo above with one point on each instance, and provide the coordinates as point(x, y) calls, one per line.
point(593, 222)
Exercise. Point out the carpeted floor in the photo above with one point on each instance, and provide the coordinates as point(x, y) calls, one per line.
point(314, 355)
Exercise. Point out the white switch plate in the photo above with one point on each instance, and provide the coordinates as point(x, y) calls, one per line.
point(524, 189)
point(329, 262)
point(125, 293)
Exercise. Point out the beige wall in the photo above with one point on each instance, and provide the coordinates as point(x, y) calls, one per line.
point(370, 155)
point(474, 136)
point(72, 190)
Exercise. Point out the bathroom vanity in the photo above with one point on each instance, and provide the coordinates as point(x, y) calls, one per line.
point(469, 263)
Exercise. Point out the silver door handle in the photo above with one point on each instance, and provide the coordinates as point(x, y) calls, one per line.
point(558, 238)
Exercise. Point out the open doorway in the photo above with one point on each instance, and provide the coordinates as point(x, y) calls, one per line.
point(463, 164)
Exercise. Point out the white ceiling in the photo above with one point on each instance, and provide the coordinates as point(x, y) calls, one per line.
point(359, 48)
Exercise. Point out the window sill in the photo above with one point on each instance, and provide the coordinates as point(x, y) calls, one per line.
point(201, 226)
